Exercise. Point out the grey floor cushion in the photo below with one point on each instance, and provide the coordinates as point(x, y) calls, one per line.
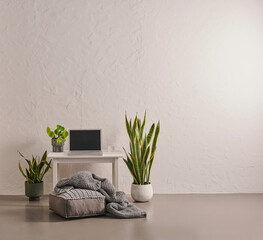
point(77, 203)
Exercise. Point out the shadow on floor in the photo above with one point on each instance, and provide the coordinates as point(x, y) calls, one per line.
point(32, 214)
point(20, 209)
point(36, 213)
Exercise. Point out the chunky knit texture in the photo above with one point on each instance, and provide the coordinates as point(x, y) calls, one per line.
point(78, 193)
point(116, 203)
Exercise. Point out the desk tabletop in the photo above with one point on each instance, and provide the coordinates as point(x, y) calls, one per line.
point(68, 154)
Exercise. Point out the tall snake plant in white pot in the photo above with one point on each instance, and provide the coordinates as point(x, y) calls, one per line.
point(140, 158)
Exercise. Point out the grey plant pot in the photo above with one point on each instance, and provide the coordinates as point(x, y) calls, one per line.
point(34, 190)
point(57, 147)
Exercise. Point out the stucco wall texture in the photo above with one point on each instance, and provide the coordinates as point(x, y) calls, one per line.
point(194, 65)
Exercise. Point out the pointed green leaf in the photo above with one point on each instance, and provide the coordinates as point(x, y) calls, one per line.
point(150, 134)
point(134, 126)
point(137, 159)
point(157, 130)
point(143, 124)
point(20, 168)
point(21, 155)
point(128, 129)
point(131, 170)
point(44, 157)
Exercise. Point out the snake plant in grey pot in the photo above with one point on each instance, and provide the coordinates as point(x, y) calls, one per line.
point(34, 174)
point(140, 158)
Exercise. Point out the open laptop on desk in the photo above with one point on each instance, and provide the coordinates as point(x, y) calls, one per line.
point(85, 142)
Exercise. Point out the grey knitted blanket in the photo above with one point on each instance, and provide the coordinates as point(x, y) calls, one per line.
point(116, 203)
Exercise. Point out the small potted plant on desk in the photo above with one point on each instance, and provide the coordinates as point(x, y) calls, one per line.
point(141, 156)
point(58, 137)
point(34, 176)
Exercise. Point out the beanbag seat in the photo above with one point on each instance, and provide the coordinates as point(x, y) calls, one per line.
point(77, 203)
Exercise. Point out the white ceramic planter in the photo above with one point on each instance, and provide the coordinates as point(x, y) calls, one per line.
point(141, 193)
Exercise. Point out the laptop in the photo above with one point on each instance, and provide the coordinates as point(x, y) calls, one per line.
point(85, 142)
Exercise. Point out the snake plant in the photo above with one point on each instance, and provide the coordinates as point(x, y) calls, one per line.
point(36, 168)
point(142, 149)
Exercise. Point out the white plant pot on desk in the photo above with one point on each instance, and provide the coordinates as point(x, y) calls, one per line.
point(141, 193)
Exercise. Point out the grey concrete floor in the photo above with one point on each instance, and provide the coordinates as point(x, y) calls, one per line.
point(176, 216)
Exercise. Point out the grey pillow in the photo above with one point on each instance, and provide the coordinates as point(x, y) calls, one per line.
point(78, 203)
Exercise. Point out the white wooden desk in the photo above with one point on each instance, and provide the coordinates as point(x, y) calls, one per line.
point(106, 157)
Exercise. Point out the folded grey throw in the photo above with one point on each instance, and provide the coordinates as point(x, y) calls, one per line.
point(116, 203)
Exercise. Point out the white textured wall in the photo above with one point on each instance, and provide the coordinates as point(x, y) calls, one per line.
point(195, 65)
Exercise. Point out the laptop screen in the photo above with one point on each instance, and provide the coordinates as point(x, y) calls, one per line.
point(85, 140)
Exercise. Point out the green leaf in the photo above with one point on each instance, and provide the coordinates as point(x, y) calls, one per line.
point(65, 134)
point(128, 129)
point(21, 155)
point(143, 146)
point(150, 134)
point(48, 167)
point(138, 159)
point(157, 131)
point(28, 174)
point(131, 161)
point(60, 139)
point(20, 168)
point(132, 147)
point(128, 163)
point(139, 129)
point(145, 157)
point(42, 162)
point(143, 124)
point(50, 133)
point(146, 171)
point(143, 149)
point(144, 162)
point(28, 162)
point(134, 126)
point(42, 174)
point(44, 157)
point(32, 173)
point(61, 128)
point(56, 131)
point(149, 163)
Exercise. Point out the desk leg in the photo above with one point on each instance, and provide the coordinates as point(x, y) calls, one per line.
point(55, 172)
point(115, 173)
